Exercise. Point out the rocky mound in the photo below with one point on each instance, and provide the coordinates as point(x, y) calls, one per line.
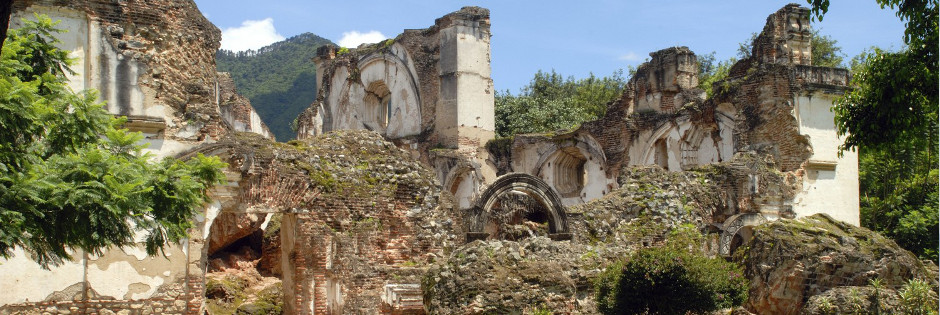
point(791, 261)
point(500, 277)
point(536, 273)
point(668, 199)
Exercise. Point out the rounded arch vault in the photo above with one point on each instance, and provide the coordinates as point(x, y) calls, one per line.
point(735, 224)
point(519, 183)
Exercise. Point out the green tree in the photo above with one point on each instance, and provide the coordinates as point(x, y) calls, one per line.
point(551, 102)
point(669, 281)
point(711, 72)
point(826, 53)
point(890, 116)
point(64, 187)
point(279, 79)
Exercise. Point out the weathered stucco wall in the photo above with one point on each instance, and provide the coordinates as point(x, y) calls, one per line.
point(830, 184)
point(425, 90)
point(152, 61)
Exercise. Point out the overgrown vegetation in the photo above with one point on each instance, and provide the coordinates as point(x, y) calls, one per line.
point(711, 72)
point(280, 79)
point(890, 116)
point(675, 279)
point(551, 102)
point(70, 179)
point(918, 298)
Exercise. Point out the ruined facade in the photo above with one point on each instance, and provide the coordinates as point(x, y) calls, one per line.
point(774, 103)
point(427, 90)
point(396, 167)
point(153, 62)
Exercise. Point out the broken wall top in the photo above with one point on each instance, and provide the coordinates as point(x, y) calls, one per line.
point(169, 47)
point(670, 72)
point(785, 38)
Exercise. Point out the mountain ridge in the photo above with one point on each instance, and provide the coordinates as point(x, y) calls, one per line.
point(279, 79)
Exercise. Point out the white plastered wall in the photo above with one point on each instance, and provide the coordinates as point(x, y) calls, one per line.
point(466, 189)
point(540, 159)
point(346, 100)
point(830, 184)
point(31, 282)
point(466, 108)
point(709, 149)
point(120, 273)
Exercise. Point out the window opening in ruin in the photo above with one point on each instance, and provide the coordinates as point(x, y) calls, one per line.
point(692, 142)
point(378, 105)
point(662, 155)
point(388, 111)
point(690, 153)
point(456, 184)
point(569, 172)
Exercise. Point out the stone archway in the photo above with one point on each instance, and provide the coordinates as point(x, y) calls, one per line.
point(519, 183)
point(734, 225)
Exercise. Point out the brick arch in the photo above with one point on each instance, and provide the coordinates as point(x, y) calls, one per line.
point(519, 183)
point(735, 224)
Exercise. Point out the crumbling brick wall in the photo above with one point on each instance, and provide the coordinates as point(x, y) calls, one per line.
point(358, 214)
point(182, 74)
point(753, 110)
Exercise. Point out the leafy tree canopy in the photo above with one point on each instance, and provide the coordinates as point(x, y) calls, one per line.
point(890, 115)
point(551, 102)
point(65, 188)
point(894, 100)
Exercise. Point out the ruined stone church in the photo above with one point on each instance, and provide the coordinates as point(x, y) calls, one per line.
point(396, 165)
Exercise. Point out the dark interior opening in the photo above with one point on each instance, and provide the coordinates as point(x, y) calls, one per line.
point(245, 248)
point(537, 215)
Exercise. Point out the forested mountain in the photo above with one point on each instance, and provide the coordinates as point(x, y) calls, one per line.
point(279, 79)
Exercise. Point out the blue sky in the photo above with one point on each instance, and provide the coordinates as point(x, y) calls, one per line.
point(573, 38)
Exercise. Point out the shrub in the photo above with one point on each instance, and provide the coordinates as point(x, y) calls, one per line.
point(669, 281)
point(917, 297)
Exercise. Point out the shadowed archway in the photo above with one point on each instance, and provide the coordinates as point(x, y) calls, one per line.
point(482, 212)
point(742, 222)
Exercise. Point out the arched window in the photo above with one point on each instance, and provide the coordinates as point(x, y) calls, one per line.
point(568, 171)
point(378, 104)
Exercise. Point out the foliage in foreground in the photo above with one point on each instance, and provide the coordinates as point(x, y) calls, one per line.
point(670, 280)
point(64, 187)
point(890, 116)
point(918, 298)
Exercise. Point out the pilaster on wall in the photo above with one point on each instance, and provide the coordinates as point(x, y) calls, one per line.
point(465, 116)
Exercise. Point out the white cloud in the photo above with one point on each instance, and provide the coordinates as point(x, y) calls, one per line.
point(630, 56)
point(251, 35)
point(353, 39)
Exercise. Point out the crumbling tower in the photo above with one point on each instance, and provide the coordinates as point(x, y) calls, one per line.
point(465, 115)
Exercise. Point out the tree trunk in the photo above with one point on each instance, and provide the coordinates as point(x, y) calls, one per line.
point(6, 8)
